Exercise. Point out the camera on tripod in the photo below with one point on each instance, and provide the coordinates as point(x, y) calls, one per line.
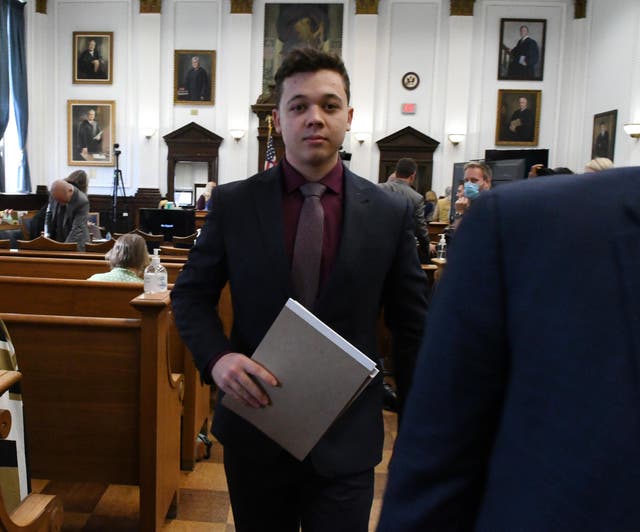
point(116, 151)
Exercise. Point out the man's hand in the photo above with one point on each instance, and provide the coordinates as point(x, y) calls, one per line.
point(238, 375)
point(462, 204)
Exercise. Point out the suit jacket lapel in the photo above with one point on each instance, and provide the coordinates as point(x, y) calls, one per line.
point(267, 199)
point(354, 225)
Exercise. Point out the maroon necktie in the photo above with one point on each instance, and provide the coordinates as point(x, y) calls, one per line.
point(307, 249)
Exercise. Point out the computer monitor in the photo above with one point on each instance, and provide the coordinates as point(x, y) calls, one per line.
point(507, 171)
point(168, 222)
point(183, 198)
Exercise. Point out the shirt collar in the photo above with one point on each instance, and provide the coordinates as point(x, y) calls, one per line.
point(293, 179)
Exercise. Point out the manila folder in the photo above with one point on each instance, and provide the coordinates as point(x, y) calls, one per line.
point(320, 375)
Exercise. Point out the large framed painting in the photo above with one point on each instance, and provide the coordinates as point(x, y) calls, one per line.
point(93, 57)
point(91, 132)
point(289, 26)
point(518, 117)
point(604, 134)
point(194, 77)
point(522, 48)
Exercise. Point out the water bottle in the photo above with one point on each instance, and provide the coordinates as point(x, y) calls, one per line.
point(155, 275)
point(441, 247)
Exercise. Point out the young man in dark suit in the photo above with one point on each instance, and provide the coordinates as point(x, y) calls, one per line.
point(524, 411)
point(368, 262)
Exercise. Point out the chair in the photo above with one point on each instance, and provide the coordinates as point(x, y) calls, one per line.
point(184, 241)
point(435, 228)
point(36, 513)
point(43, 243)
point(170, 250)
point(153, 241)
point(26, 221)
point(99, 247)
point(5, 244)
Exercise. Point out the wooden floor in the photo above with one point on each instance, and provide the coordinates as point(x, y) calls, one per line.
point(204, 501)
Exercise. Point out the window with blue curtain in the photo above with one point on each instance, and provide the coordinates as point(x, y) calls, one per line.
point(14, 108)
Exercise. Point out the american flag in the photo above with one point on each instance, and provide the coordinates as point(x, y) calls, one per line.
point(270, 156)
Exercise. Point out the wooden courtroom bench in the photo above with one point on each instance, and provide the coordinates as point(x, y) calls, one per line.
point(64, 268)
point(36, 513)
point(86, 255)
point(101, 401)
point(76, 297)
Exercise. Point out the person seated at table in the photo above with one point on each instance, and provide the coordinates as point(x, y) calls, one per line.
point(128, 259)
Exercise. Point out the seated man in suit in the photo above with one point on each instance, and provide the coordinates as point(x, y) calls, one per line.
point(68, 212)
point(523, 414)
point(309, 229)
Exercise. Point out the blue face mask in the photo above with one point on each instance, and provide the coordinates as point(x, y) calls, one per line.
point(471, 190)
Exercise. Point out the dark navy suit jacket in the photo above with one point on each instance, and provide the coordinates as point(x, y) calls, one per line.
point(376, 266)
point(524, 413)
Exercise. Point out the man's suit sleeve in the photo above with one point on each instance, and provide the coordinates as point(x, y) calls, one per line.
point(79, 229)
point(422, 229)
point(441, 456)
point(405, 304)
point(196, 292)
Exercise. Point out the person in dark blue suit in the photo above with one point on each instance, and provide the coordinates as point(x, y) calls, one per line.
point(368, 262)
point(524, 413)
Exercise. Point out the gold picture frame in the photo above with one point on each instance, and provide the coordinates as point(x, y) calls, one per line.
point(93, 57)
point(194, 84)
point(90, 138)
point(518, 117)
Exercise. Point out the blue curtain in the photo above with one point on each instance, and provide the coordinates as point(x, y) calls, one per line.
point(4, 80)
point(18, 63)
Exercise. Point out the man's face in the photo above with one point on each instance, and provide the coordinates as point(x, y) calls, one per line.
point(523, 32)
point(475, 175)
point(460, 191)
point(522, 102)
point(91, 115)
point(62, 194)
point(603, 129)
point(313, 116)
point(92, 46)
point(195, 63)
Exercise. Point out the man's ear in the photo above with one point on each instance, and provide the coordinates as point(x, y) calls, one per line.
point(275, 115)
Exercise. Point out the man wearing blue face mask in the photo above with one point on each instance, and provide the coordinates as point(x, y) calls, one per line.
point(477, 179)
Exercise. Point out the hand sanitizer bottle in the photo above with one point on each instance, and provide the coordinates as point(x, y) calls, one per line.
point(155, 275)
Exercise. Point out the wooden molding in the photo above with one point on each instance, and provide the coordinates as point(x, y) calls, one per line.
point(580, 9)
point(367, 7)
point(242, 7)
point(41, 6)
point(462, 8)
point(150, 6)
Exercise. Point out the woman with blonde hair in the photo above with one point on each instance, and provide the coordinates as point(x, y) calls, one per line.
point(430, 205)
point(598, 164)
point(128, 259)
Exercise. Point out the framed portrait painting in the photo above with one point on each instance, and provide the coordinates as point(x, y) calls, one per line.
point(522, 48)
point(91, 131)
point(93, 57)
point(603, 134)
point(289, 26)
point(194, 75)
point(518, 117)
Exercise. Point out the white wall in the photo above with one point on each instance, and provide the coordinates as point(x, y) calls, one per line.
point(590, 66)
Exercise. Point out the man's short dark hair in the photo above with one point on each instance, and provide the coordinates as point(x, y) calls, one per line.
point(405, 168)
point(301, 60)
